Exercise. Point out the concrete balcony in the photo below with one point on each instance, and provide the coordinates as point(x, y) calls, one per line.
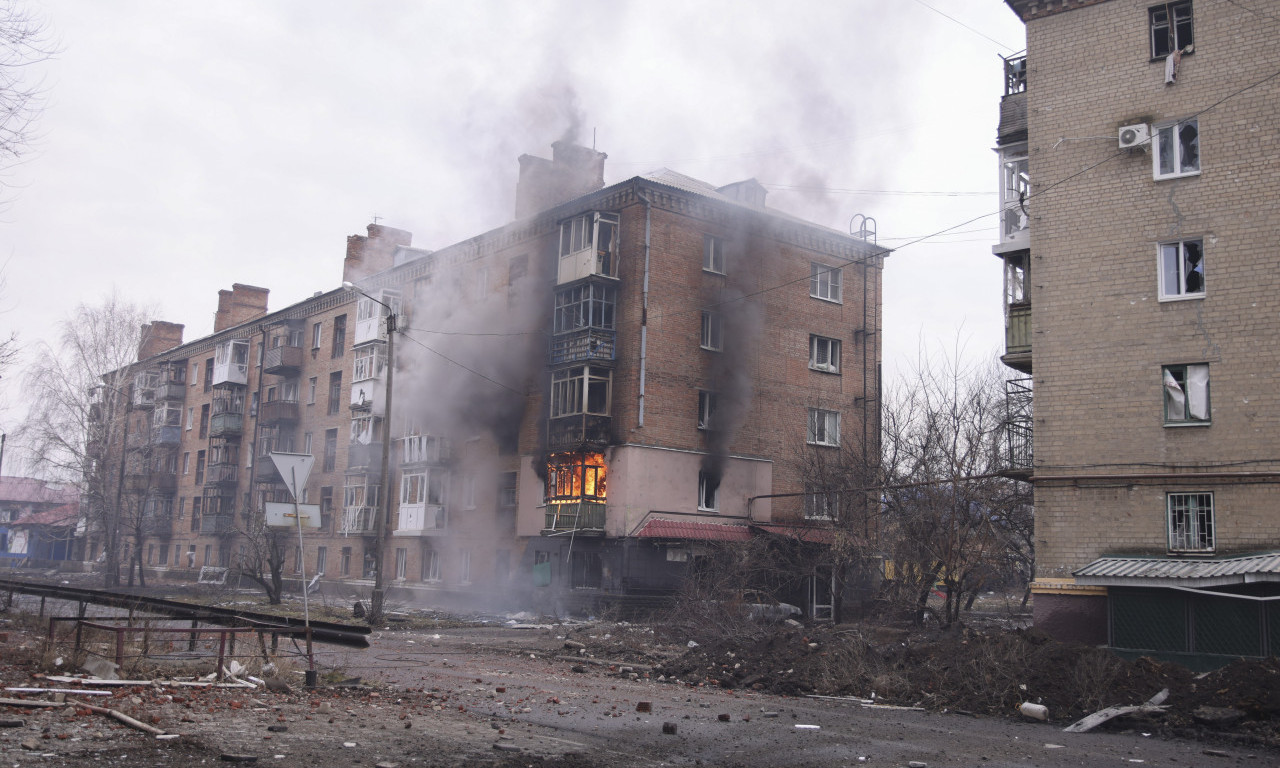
point(586, 517)
point(166, 435)
point(364, 457)
point(278, 412)
point(171, 391)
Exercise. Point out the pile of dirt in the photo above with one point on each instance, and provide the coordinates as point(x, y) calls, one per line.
point(989, 672)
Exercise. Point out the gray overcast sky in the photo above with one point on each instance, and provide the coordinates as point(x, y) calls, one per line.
point(186, 146)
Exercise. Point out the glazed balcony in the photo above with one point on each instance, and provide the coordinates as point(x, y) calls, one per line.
point(568, 433)
point(284, 360)
point(165, 435)
point(171, 391)
point(582, 516)
point(231, 363)
point(422, 520)
point(226, 424)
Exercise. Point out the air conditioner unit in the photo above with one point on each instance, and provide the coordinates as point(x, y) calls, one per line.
point(1134, 135)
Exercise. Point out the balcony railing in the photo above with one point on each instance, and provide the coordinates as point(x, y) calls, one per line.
point(282, 361)
point(421, 520)
point(226, 424)
point(588, 344)
point(582, 516)
point(278, 411)
point(171, 391)
point(166, 435)
point(1019, 413)
point(1017, 330)
point(567, 433)
point(222, 474)
point(358, 519)
point(217, 523)
point(159, 525)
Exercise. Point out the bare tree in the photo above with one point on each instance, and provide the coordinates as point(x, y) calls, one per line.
point(24, 41)
point(948, 510)
point(80, 419)
point(263, 558)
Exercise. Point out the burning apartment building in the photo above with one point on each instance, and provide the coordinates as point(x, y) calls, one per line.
point(585, 400)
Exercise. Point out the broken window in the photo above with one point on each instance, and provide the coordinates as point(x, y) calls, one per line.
point(1190, 522)
point(330, 450)
point(1015, 188)
point(824, 427)
point(581, 389)
point(369, 362)
point(712, 331)
point(402, 559)
point(507, 489)
point(713, 254)
point(345, 559)
point(1182, 269)
point(590, 305)
point(708, 492)
point(706, 409)
point(824, 354)
point(1177, 150)
point(594, 235)
point(339, 336)
point(1170, 28)
point(1015, 279)
point(1186, 394)
point(824, 282)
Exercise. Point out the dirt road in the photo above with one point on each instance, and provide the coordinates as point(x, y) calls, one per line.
point(519, 697)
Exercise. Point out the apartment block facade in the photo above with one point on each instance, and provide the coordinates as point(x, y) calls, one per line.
point(581, 401)
point(1138, 191)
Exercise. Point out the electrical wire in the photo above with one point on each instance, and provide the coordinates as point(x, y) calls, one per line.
point(462, 366)
point(966, 26)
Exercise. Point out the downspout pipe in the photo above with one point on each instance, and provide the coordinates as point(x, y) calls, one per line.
point(644, 302)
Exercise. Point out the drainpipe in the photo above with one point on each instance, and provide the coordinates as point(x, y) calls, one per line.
point(644, 305)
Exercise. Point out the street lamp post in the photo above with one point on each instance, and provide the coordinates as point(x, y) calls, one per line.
point(382, 518)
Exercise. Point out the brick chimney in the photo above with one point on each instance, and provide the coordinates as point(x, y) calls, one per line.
point(239, 305)
point(159, 336)
point(572, 171)
point(374, 253)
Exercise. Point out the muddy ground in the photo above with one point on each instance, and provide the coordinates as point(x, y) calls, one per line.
point(444, 691)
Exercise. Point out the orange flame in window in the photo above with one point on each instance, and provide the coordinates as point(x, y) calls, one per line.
point(574, 477)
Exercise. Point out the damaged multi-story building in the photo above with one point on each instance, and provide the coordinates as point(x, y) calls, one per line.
point(582, 402)
point(1139, 187)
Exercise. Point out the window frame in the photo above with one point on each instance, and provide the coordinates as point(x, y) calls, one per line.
point(1168, 28)
point(1176, 250)
point(711, 333)
point(708, 496)
point(1169, 134)
point(713, 259)
point(1177, 378)
point(826, 282)
point(820, 504)
point(576, 388)
point(1193, 530)
point(832, 365)
point(707, 404)
point(316, 333)
point(826, 436)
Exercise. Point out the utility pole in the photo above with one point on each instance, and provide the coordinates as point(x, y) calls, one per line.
point(382, 516)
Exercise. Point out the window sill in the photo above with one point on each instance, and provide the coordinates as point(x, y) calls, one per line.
point(824, 298)
point(1169, 176)
point(820, 369)
point(1181, 297)
point(1190, 553)
point(1180, 424)
point(823, 445)
point(709, 349)
point(715, 272)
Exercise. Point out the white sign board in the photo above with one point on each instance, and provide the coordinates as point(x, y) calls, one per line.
point(280, 514)
point(294, 468)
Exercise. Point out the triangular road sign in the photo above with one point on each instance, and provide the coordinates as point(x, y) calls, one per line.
point(294, 468)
